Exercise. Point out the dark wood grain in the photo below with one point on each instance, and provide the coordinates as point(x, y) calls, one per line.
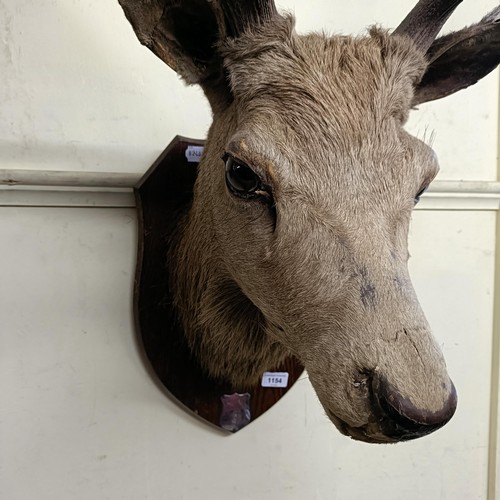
point(163, 195)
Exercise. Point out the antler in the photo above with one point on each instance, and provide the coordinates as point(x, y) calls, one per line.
point(460, 59)
point(172, 28)
point(184, 33)
point(239, 15)
point(425, 20)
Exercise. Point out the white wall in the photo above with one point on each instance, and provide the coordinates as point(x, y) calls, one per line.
point(80, 417)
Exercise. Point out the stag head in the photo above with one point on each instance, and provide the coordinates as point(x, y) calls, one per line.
point(296, 241)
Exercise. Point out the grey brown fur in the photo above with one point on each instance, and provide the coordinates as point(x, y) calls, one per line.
point(321, 271)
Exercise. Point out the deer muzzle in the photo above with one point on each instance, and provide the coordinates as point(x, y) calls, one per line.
point(395, 418)
point(380, 387)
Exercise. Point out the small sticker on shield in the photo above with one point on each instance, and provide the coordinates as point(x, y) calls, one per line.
point(275, 379)
point(193, 154)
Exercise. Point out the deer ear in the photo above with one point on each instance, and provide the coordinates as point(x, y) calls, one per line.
point(460, 59)
point(181, 33)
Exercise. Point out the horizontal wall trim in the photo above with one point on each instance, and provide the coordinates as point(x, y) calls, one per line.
point(63, 197)
point(114, 190)
point(51, 178)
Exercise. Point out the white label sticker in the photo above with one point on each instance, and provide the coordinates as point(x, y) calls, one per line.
point(275, 379)
point(193, 153)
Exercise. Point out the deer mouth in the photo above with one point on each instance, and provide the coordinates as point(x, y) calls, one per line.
point(394, 418)
point(359, 433)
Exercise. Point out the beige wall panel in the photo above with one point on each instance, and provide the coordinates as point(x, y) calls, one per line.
point(80, 418)
point(453, 266)
point(78, 91)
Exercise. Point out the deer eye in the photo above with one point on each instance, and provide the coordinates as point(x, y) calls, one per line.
point(240, 178)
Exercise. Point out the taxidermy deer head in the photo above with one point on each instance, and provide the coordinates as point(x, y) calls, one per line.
point(296, 240)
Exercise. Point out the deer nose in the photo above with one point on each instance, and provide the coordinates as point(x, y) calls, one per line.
point(402, 421)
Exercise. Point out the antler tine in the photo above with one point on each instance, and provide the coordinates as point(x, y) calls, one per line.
point(239, 15)
point(425, 21)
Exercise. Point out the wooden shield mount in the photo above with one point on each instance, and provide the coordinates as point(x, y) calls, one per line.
point(163, 195)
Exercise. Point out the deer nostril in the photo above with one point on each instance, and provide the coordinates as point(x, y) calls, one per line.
point(402, 420)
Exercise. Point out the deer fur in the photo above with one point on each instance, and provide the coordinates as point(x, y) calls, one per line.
point(230, 335)
point(321, 272)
